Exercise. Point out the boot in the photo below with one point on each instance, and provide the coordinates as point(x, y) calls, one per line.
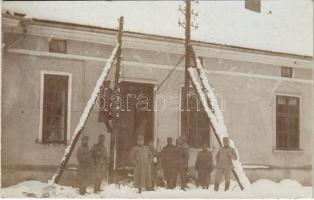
point(227, 184)
point(216, 187)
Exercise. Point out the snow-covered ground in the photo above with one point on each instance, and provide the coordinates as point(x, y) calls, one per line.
point(260, 189)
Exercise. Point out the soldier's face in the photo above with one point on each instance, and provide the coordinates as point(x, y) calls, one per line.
point(101, 140)
point(226, 142)
point(85, 142)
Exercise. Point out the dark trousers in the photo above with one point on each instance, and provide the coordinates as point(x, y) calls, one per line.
point(203, 178)
point(170, 177)
point(182, 172)
point(82, 188)
point(154, 174)
point(97, 183)
point(220, 173)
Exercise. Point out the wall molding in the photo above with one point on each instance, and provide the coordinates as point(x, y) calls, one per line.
point(152, 65)
point(176, 46)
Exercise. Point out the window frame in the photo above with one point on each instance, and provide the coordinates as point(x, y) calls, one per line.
point(58, 40)
point(299, 148)
point(285, 67)
point(41, 115)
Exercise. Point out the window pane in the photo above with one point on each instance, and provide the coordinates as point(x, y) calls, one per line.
point(55, 135)
point(294, 125)
point(293, 142)
point(282, 123)
point(58, 46)
point(286, 72)
point(281, 100)
point(281, 140)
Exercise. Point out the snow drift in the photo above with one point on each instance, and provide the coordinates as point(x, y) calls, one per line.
point(259, 189)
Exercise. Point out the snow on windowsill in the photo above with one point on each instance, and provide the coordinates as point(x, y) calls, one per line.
point(297, 151)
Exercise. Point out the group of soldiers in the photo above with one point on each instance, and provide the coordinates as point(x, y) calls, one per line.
point(174, 162)
point(92, 164)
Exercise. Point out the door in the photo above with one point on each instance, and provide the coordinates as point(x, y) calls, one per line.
point(136, 117)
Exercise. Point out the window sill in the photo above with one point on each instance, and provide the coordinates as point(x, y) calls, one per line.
point(37, 142)
point(287, 151)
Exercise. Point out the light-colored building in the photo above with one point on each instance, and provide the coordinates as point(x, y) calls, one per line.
point(49, 70)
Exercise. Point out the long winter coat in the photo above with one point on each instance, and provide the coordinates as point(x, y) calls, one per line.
point(181, 157)
point(204, 161)
point(167, 157)
point(224, 158)
point(84, 159)
point(142, 158)
point(99, 161)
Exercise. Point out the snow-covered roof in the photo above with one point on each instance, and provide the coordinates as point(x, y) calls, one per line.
point(282, 26)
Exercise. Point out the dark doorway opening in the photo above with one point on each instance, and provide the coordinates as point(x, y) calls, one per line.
point(136, 117)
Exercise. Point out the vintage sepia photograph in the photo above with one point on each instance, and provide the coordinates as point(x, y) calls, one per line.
point(157, 99)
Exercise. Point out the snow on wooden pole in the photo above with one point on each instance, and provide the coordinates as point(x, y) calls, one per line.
point(113, 137)
point(68, 151)
point(218, 125)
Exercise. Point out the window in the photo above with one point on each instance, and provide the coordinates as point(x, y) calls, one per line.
point(286, 72)
point(287, 122)
point(199, 125)
point(58, 46)
point(55, 108)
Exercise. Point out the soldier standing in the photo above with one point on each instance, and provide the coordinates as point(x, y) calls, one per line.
point(181, 161)
point(84, 158)
point(99, 164)
point(204, 166)
point(167, 157)
point(141, 158)
point(224, 158)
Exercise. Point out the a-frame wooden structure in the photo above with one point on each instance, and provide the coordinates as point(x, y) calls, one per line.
point(116, 54)
point(199, 81)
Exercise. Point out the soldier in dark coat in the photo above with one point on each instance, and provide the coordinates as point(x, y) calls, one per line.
point(141, 158)
point(84, 158)
point(224, 158)
point(167, 163)
point(204, 166)
point(181, 161)
point(99, 163)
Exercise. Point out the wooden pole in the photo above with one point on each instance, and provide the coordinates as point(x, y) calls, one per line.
point(215, 133)
point(115, 113)
point(185, 119)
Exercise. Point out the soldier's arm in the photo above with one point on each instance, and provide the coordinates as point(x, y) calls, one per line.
point(233, 154)
point(150, 155)
point(132, 157)
point(79, 155)
point(217, 156)
point(211, 162)
point(197, 162)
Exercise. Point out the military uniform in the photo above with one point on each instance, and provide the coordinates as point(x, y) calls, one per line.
point(181, 163)
point(99, 164)
point(167, 163)
point(224, 158)
point(84, 167)
point(204, 166)
point(141, 158)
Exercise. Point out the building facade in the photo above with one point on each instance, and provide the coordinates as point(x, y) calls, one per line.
point(49, 70)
